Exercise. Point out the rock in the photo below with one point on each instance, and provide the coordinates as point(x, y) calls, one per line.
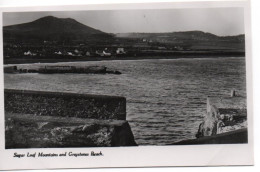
point(10, 69)
point(209, 126)
point(221, 113)
point(117, 72)
point(32, 71)
point(29, 131)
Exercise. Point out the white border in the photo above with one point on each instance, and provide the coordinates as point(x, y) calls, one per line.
point(142, 156)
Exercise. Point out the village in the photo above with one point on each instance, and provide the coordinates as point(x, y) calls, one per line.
point(79, 49)
point(14, 50)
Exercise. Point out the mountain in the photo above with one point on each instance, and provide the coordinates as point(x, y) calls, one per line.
point(52, 28)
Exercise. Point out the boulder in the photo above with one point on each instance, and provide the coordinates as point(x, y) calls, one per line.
point(223, 112)
point(210, 124)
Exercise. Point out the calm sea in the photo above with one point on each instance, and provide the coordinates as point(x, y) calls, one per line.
point(166, 99)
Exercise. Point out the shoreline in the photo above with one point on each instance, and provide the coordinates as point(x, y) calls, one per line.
point(86, 59)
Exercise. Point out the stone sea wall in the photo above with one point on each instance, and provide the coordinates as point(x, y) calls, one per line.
point(35, 119)
point(65, 104)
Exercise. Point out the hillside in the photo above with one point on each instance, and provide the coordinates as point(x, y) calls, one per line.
point(187, 35)
point(195, 40)
point(52, 28)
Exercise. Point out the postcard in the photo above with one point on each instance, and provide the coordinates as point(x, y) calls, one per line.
point(126, 85)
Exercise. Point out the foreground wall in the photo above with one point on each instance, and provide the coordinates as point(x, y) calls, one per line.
point(36, 119)
point(65, 104)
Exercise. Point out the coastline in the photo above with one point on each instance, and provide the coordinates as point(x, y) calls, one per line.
point(148, 57)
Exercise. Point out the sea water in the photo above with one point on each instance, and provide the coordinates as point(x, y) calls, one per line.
point(166, 99)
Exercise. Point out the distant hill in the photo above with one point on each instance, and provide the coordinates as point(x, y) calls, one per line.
point(196, 40)
point(187, 35)
point(52, 28)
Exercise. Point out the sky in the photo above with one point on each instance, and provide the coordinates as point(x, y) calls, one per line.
point(219, 21)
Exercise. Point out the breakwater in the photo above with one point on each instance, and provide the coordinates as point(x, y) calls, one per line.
point(50, 69)
point(36, 119)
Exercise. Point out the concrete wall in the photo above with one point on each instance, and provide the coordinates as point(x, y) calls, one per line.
point(65, 104)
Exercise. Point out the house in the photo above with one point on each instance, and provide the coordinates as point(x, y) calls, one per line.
point(106, 52)
point(120, 51)
point(87, 53)
point(29, 53)
point(77, 52)
point(99, 53)
point(70, 53)
point(59, 53)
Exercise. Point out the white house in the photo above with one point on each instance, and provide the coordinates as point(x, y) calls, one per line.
point(120, 51)
point(29, 53)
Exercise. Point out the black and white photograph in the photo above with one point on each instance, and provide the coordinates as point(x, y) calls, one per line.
point(132, 78)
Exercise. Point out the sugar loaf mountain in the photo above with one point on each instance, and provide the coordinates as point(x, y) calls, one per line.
point(52, 29)
point(65, 38)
